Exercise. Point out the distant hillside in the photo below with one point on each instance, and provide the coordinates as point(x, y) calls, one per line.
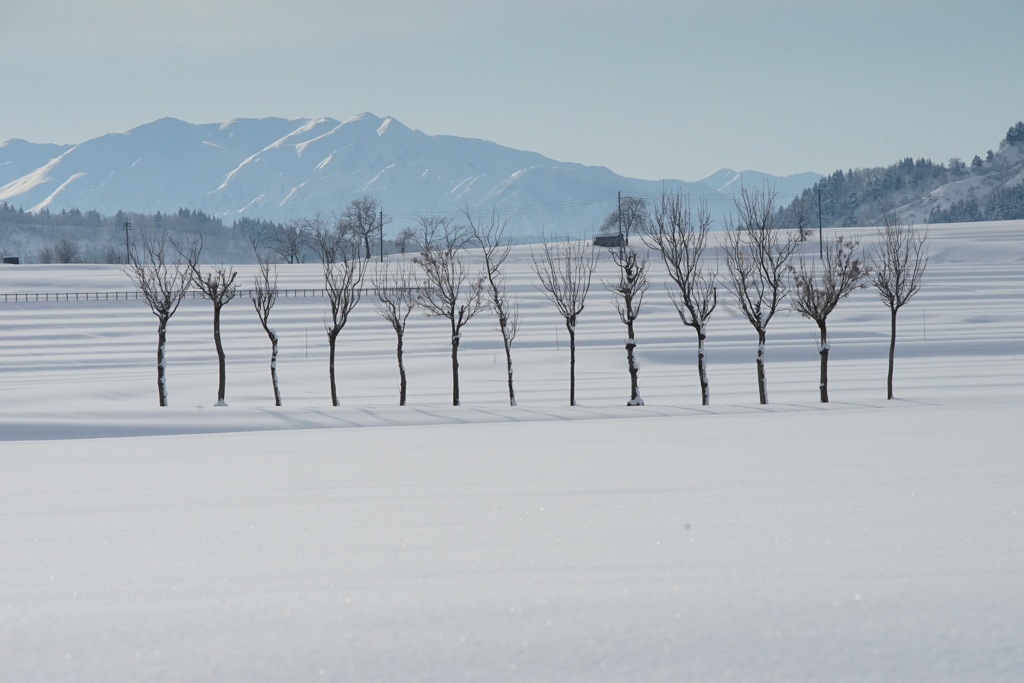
point(278, 169)
point(920, 191)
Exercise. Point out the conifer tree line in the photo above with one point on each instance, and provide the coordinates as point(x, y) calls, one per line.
point(758, 269)
point(864, 196)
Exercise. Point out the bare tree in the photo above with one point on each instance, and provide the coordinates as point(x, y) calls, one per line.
point(67, 251)
point(818, 290)
point(449, 293)
point(441, 232)
point(325, 243)
point(565, 271)
point(405, 239)
point(289, 241)
point(217, 285)
point(628, 294)
point(63, 251)
point(364, 221)
point(264, 296)
point(395, 285)
point(628, 218)
point(489, 233)
point(162, 285)
point(341, 284)
point(900, 260)
point(803, 228)
point(757, 257)
point(428, 227)
point(112, 254)
point(681, 237)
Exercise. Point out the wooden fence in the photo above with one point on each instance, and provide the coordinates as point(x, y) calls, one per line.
point(136, 295)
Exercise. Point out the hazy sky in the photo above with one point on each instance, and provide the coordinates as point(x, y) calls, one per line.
point(650, 88)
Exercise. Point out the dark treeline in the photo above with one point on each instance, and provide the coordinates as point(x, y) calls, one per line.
point(75, 236)
point(863, 196)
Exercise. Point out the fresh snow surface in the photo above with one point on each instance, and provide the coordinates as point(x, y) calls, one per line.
point(863, 540)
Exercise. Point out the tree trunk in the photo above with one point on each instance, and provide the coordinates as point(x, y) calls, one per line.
point(508, 363)
point(823, 348)
point(762, 380)
point(221, 365)
point(702, 369)
point(572, 362)
point(455, 370)
point(401, 373)
point(332, 343)
point(892, 355)
point(273, 368)
point(161, 362)
point(634, 369)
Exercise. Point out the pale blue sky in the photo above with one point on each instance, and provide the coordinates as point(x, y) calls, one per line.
point(650, 88)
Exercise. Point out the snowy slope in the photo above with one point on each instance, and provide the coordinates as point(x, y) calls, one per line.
point(20, 157)
point(1006, 170)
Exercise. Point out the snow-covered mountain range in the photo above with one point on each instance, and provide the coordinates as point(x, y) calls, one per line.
point(277, 169)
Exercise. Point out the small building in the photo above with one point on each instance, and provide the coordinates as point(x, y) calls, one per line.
point(611, 241)
point(14, 260)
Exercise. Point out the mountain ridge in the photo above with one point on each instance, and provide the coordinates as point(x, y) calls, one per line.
point(276, 169)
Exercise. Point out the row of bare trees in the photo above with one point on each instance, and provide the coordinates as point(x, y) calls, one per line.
point(763, 270)
point(360, 227)
point(164, 276)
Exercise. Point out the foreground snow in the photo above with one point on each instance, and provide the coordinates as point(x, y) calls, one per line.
point(863, 540)
point(847, 544)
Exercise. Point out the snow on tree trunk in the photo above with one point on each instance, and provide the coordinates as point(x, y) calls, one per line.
point(702, 369)
point(508, 362)
point(455, 370)
point(892, 354)
point(823, 349)
point(221, 362)
point(762, 380)
point(401, 373)
point(273, 368)
point(634, 368)
point(161, 362)
point(332, 343)
point(572, 363)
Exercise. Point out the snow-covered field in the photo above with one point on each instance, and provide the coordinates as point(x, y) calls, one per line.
point(865, 540)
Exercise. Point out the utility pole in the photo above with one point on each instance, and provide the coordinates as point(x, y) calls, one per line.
point(127, 244)
point(618, 214)
point(382, 235)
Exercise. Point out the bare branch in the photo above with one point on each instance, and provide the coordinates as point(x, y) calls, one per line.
point(900, 261)
point(449, 293)
point(162, 285)
point(395, 286)
point(681, 237)
point(757, 257)
point(342, 282)
point(628, 295)
point(364, 221)
point(817, 290)
point(489, 233)
point(565, 271)
point(264, 296)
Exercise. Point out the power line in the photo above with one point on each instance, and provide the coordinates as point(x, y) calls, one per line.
point(606, 198)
